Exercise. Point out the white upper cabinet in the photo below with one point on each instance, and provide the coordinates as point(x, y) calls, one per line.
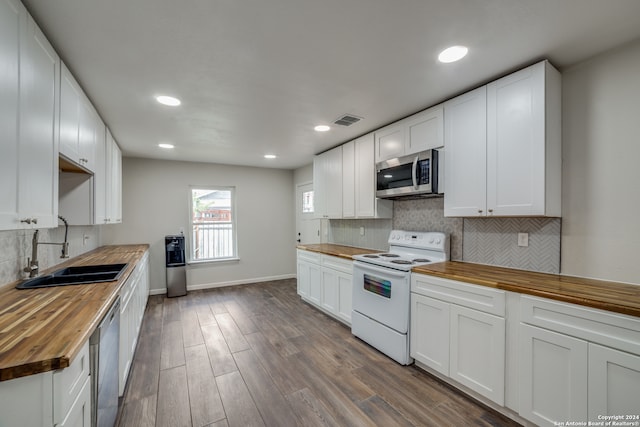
point(416, 133)
point(327, 183)
point(465, 154)
point(77, 130)
point(113, 175)
point(28, 121)
point(359, 181)
point(503, 151)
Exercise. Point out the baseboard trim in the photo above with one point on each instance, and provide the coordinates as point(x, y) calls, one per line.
point(239, 282)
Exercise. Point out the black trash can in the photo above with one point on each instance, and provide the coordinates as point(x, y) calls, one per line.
point(176, 266)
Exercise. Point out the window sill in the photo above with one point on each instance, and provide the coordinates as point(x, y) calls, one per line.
point(213, 261)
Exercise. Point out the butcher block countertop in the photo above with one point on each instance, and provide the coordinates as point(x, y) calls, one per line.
point(44, 329)
point(337, 250)
point(612, 296)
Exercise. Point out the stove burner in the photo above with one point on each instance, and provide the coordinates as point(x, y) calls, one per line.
point(421, 260)
point(371, 256)
point(401, 261)
point(390, 255)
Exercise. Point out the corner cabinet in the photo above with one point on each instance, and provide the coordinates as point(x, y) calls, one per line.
point(359, 181)
point(28, 121)
point(419, 132)
point(458, 330)
point(325, 281)
point(503, 147)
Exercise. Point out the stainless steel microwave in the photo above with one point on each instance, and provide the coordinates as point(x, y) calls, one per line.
point(414, 175)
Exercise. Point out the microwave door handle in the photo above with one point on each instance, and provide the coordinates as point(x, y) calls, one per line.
point(414, 171)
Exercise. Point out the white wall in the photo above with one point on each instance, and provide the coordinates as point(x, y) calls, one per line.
point(155, 203)
point(601, 167)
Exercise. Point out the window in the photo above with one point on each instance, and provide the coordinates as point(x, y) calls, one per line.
point(307, 202)
point(213, 229)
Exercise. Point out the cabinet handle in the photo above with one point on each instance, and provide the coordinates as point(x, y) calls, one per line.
point(34, 220)
point(26, 220)
point(490, 210)
point(479, 210)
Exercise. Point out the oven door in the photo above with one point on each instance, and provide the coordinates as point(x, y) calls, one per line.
point(382, 294)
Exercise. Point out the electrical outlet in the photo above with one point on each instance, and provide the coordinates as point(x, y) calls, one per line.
point(523, 239)
point(362, 231)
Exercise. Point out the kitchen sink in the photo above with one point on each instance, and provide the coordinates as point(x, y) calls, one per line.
point(81, 275)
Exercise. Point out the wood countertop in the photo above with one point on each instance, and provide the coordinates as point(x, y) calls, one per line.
point(44, 329)
point(612, 296)
point(337, 250)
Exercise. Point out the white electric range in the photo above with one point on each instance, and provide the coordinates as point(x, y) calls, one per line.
point(382, 285)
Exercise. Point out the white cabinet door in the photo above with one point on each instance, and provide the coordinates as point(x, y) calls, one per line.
point(349, 192)
point(516, 143)
point(87, 134)
point(329, 296)
point(465, 133)
point(477, 346)
point(315, 284)
point(11, 13)
point(614, 377)
point(70, 94)
point(38, 158)
point(100, 175)
point(429, 337)
point(327, 183)
point(80, 413)
point(345, 294)
point(424, 130)
point(113, 167)
point(553, 376)
point(303, 279)
point(389, 142)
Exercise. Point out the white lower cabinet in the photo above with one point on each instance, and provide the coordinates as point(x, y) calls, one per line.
point(56, 398)
point(577, 363)
point(326, 282)
point(614, 382)
point(133, 300)
point(553, 376)
point(458, 330)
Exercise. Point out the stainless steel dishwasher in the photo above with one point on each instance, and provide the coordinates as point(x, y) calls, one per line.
point(103, 347)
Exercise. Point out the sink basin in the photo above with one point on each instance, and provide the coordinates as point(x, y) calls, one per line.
point(81, 275)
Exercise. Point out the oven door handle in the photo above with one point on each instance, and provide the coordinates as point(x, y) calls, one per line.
point(414, 170)
point(382, 270)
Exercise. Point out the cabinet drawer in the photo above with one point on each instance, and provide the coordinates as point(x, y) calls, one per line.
point(477, 297)
point(344, 265)
point(312, 257)
point(598, 326)
point(68, 382)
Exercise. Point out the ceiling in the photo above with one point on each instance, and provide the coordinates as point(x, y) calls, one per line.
point(256, 76)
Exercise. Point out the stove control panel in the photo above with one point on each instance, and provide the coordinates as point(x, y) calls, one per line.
point(419, 239)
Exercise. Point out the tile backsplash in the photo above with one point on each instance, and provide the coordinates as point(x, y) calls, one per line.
point(494, 241)
point(428, 215)
point(16, 248)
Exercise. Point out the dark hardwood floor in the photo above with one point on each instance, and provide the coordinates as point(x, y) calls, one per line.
point(257, 355)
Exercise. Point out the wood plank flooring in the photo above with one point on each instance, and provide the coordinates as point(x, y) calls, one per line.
point(256, 355)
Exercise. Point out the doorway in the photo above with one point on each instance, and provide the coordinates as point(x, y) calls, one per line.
point(307, 225)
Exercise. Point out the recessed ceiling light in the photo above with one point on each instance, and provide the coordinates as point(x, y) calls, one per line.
point(164, 145)
point(452, 54)
point(321, 128)
point(168, 100)
point(270, 156)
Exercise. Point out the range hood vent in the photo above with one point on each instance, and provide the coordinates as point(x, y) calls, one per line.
point(347, 120)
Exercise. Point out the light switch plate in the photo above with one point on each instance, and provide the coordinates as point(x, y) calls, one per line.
point(523, 239)
point(362, 231)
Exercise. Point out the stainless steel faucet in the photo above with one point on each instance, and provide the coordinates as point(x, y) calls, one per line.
point(32, 263)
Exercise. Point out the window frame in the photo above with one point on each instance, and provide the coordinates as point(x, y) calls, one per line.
point(233, 222)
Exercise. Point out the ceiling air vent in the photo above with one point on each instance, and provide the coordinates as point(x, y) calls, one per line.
point(347, 120)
